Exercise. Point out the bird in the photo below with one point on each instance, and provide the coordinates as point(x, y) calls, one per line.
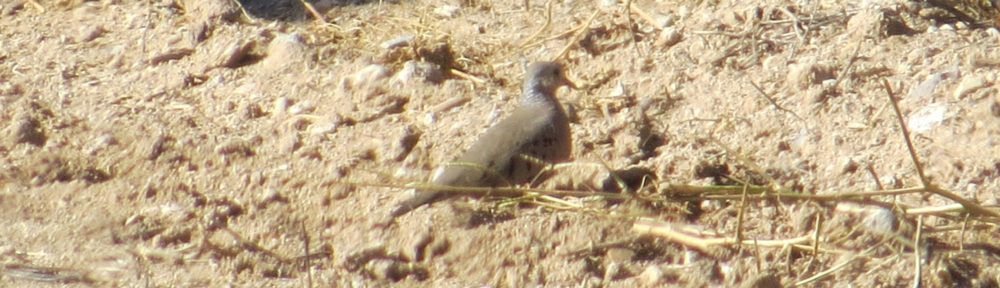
point(516, 149)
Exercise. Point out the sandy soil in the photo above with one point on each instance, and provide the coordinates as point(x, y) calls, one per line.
point(181, 143)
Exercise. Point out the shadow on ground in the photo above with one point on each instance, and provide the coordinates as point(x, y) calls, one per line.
point(293, 10)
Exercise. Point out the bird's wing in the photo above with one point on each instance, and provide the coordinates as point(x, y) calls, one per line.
point(492, 152)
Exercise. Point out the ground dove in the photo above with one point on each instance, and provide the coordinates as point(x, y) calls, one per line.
point(508, 152)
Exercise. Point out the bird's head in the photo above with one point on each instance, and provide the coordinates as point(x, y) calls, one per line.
point(544, 78)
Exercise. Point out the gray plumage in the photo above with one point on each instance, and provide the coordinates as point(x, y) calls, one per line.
point(537, 128)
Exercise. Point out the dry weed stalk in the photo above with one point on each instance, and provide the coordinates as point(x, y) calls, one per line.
point(548, 22)
point(510, 191)
point(774, 102)
point(579, 30)
point(927, 185)
point(673, 233)
point(704, 241)
point(312, 11)
point(37, 6)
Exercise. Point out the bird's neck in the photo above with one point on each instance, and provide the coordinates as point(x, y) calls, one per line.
point(535, 93)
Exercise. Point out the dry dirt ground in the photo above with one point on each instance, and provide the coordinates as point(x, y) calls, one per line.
point(174, 143)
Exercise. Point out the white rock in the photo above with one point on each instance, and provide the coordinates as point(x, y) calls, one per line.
point(304, 107)
point(285, 51)
point(969, 84)
point(323, 127)
point(668, 37)
point(418, 70)
point(993, 32)
point(280, 105)
point(666, 20)
point(880, 220)
point(618, 91)
point(100, 143)
point(366, 76)
point(927, 117)
point(446, 11)
point(88, 33)
point(683, 12)
point(397, 42)
point(926, 88)
point(651, 276)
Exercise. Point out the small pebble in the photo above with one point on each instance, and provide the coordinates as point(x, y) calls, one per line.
point(683, 12)
point(170, 54)
point(280, 105)
point(289, 143)
point(8, 88)
point(848, 166)
point(668, 37)
point(762, 281)
point(867, 23)
point(284, 51)
point(100, 143)
point(418, 70)
point(690, 257)
point(118, 57)
point(210, 11)
point(651, 276)
point(27, 129)
point(365, 77)
point(324, 127)
point(88, 33)
point(927, 117)
point(446, 11)
point(397, 42)
point(666, 20)
point(993, 32)
point(231, 56)
point(969, 84)
point(304, 107)
point(234, 146)
point(880, 220)
point(619, 255)
point(800, 75)
point(618, 91)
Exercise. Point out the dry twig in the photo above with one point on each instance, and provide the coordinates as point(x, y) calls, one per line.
point(927, 185)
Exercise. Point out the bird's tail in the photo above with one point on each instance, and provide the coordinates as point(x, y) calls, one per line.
point(418, 199)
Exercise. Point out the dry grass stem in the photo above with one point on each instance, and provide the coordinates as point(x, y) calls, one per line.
point(704, 244)
point(774, 102)
point(827, 272)
point(545, 27)
point(467, 76)
point(930, 187)
point(312, 11)
point(37, 6)
point(580, 31)
point(491, 191)
point(645, 16)
point(254, 247)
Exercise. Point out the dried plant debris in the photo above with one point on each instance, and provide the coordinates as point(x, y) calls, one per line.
point(207, 143)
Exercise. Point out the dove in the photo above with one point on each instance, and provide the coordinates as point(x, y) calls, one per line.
point(514, 150)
